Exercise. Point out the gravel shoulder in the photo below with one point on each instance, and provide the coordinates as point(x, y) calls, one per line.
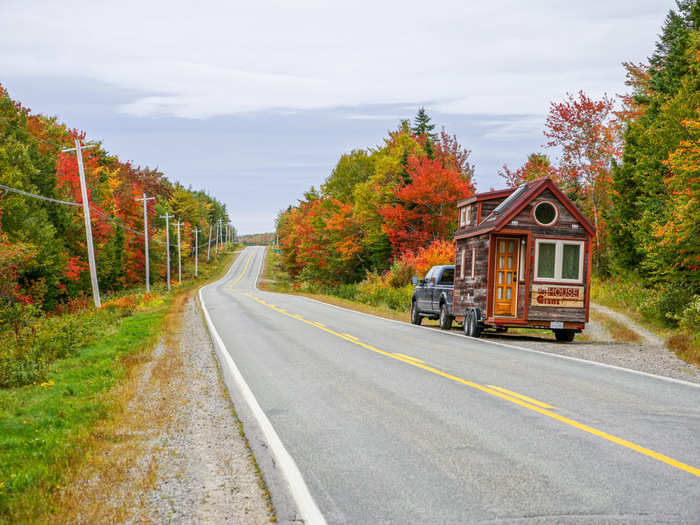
point(204, 469)
point(176, 452)
point(650, 355)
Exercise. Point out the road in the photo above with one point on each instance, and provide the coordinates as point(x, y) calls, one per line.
point(393, 423)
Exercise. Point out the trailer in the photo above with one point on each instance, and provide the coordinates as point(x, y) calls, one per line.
point(523, 259)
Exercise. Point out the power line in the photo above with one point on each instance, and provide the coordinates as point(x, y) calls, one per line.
point(7, 121)
point(35, 196)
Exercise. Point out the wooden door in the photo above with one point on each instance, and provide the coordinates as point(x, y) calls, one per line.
point(506, 277)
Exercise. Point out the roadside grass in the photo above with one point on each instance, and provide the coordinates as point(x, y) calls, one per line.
point(50, 430)
point(626, 294)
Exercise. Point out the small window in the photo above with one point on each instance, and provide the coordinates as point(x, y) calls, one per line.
point(468, 218)
point(462, 216)
point(463, 262)
point(473, 263)
point(546, 213)
point(559, 261)
point(448, 276)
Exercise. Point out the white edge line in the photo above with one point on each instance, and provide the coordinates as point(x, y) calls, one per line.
point(506, 345)
point(297, 486)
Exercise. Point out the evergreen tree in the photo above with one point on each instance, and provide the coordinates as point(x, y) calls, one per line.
point(422, 125)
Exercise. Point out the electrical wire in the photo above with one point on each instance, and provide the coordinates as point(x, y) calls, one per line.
point(35, 196)
point(7, 121)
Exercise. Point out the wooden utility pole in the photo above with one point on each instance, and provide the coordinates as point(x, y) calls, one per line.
point(145, 238)
point(196, 250)
point(179, 253)
point(167, 243)
point(88, 224)
point(209, 247)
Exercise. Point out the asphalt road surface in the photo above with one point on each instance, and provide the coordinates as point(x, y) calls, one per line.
point(393, 423)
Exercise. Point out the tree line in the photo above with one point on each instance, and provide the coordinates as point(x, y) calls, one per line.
point(43, 255)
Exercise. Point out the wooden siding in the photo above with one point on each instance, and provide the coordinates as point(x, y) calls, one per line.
point(476, 287)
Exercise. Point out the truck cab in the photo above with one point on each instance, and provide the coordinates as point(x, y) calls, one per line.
point(432, 296)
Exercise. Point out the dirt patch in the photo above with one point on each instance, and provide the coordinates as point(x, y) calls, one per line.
point(174, 453)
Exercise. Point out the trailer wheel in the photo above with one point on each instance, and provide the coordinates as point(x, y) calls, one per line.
point(564, 336)
point(445, 318)
point(415, 316)
point(471, 325)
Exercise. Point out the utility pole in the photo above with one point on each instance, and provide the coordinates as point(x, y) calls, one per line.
point(167, 242)
point(88, 224)
point(196, 250)
point(145, 238)
point(179, 256)
point(218, 224)
point(209, 247)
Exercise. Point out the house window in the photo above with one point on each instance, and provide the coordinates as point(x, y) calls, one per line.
point(473, 263)
point(463, 216)
point(463, 262)
point(560, 261)
point(468, 218)
point(546, 213)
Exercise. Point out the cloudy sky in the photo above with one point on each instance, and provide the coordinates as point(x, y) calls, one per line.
point(255, 101)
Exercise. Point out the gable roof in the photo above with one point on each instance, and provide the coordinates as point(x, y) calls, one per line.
point(521, 197)
point(486, 196)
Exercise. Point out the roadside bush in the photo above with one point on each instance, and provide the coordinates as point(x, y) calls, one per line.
point(26, 353)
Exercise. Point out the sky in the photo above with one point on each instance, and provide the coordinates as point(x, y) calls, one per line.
point(256, 101)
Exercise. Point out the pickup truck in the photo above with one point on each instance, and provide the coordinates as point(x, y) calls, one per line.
point(432, 296)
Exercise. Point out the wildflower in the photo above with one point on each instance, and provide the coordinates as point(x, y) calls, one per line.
point(47, 383)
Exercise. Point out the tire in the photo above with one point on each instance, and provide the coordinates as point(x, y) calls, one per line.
point(445, 319)
point(415, 315)
point(564, 336)
point(471, 325)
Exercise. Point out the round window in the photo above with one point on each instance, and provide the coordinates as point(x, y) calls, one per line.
point(545, 213)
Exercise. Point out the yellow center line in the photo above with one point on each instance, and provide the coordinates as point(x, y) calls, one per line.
point(520, 396)
point(351, 337)
point(409, 357)
point(494, 392)
point(245, 268)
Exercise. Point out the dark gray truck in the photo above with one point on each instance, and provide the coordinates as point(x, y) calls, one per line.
point(432, 297)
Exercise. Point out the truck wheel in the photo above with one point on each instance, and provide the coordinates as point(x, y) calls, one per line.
point(471, 325)
point(564, 336)
point(445, 318)
point(415, 316)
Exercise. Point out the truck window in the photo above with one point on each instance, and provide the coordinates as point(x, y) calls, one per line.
point(448, 276)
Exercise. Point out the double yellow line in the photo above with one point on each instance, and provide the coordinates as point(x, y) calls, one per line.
point(507, 395)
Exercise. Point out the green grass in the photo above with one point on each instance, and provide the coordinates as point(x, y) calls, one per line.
point(46, 428)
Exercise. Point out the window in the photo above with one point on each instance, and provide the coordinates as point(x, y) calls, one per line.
point(468, 218)
point(463, 262)
point(448, 276)
point(473, 263)
point(559, 261)
point(546, 213)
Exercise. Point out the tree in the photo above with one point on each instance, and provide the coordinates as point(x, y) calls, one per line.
point(425, 210)
point(536, 166)
point(587, 134)
point(352, 169)
point(422, 125)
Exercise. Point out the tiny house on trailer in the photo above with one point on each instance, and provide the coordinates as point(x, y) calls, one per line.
point(523, 259)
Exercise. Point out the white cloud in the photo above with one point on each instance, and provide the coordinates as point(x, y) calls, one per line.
point(197, 60)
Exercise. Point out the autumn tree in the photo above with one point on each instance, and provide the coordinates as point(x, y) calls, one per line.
point(424, 210)
point(536, 166)
point(587, 135)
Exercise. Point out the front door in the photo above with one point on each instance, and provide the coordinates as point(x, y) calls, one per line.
point(506, 275)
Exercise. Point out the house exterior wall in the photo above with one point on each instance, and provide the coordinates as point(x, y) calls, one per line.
point(468, 291)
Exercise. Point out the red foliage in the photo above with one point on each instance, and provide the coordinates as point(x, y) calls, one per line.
point(425, 210)
point(439, 252)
